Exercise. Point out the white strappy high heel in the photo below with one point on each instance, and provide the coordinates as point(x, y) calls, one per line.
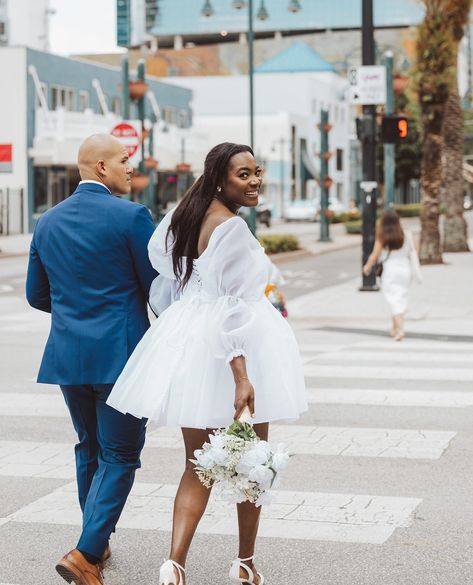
point(167, 576)
point(240, 564)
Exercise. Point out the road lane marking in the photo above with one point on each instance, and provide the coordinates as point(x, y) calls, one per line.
point(298, 515)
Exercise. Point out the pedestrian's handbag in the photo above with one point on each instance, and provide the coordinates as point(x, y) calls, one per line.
point(379, 267)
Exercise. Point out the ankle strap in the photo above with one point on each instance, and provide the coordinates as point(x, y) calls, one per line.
point(177, 565)
point(248, 559)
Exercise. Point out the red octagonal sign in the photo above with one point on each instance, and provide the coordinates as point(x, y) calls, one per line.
point(128, 136)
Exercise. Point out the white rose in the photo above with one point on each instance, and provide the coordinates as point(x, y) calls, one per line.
point(219, 456)
point(261, 475)
point(280, 461)
point(257, 455)
point(217, 441)
point(204, 459)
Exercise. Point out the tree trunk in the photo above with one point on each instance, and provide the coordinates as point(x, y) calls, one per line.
point(431, 178)
point(455, 226)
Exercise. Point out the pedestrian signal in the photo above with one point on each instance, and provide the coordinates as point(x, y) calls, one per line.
point(394, 129)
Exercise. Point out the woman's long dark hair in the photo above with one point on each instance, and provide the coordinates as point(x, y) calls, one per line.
point(390, 230)
point(189, 214)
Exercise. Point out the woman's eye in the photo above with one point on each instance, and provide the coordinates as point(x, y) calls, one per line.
point(243, 175)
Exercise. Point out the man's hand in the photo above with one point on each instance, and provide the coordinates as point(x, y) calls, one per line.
point(244, 396)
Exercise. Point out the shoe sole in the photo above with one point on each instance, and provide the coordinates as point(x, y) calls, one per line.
point(69, 576)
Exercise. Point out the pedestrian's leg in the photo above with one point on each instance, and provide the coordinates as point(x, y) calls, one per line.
point(393, 327)
point(121, 438)
point(191, 499)
point(248, 520)
point(80, 401)
point(399, 321)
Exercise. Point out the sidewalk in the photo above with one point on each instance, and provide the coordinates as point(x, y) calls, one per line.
point(14, 245)
point(441, 306)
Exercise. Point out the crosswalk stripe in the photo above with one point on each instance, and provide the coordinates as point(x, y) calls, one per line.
point(381, 397)
point(292, 515)
point(373, 357)
point(388, 373)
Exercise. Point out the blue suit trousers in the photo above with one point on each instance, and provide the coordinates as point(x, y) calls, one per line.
point(107, 456)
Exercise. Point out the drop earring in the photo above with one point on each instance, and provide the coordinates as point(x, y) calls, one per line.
point(219, 189)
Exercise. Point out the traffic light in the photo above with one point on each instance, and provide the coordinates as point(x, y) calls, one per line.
point(394, 128)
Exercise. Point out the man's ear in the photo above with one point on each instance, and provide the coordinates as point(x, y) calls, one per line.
point(100, 166)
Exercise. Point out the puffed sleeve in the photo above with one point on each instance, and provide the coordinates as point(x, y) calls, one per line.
point(237, 272)
point(164, 288)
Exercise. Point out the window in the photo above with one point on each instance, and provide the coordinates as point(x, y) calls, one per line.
point(183, 119)
point(339, 159)
point(83, 100)
point(63, 97)
point(169, 115)
point(117, 106)
point(340, 191)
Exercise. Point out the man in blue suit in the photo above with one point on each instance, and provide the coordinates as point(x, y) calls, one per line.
point(89, 268)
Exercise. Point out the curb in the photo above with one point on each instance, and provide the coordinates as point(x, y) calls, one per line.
point(304, 252)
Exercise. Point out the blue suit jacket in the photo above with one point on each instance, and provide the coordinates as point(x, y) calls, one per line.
point(89, 268)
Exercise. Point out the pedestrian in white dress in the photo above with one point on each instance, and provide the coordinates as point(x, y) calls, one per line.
point(218, 346)
point(396, 252)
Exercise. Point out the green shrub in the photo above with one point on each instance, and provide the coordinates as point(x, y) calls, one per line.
point(346, 216)
point(276, 243)
point(408, 210)
point(353, 227)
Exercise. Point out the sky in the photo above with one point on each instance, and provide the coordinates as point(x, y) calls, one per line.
point(83, 26)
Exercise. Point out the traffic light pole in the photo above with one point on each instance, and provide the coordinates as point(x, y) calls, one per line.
point(368, 185)
point(389, 149)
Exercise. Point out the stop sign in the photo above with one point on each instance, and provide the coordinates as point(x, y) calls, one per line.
point(128, 135)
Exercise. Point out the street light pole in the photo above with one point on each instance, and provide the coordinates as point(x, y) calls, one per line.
point(369, 184)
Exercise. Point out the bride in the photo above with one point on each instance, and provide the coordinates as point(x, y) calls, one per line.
point(218, 346)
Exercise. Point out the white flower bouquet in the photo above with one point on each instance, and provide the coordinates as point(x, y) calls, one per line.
point(239, 465)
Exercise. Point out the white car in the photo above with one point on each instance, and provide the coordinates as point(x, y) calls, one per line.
point(301, 210)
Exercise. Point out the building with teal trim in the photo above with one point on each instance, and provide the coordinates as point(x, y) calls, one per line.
point(49, 104)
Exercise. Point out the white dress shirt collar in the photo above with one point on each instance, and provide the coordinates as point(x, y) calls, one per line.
point(96, 183)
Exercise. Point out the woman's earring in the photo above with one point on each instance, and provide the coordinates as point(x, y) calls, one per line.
point(219, 189)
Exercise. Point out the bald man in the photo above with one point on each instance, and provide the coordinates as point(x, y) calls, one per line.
point(89, 268)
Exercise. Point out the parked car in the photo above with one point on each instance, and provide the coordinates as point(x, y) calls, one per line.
point(264, 212)
point(301, 210)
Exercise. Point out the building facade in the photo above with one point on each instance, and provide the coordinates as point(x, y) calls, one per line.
point(50, 104)
point(25, 23)
point(291, 90)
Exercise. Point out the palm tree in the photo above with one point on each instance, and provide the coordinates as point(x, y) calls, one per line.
point(455, 226)
point(435, 71)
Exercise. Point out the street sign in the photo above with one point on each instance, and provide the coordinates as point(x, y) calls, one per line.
point(367, 85)
point(6, 158)
point(128, 133)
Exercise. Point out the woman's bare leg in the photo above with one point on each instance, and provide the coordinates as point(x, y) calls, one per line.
point(248, 519)
point(191, 498)
point(399, 324)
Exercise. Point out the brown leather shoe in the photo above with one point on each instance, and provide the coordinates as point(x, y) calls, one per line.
point(73, 567)
point(107, 553)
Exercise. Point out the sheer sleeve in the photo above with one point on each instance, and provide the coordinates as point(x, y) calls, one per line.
point(164, 288)
point(237, 274)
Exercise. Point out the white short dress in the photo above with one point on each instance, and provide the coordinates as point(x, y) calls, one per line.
point(179, 374)
point(399, 268)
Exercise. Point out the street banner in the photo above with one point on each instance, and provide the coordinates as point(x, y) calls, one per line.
point(6, 158)
point(367, 85)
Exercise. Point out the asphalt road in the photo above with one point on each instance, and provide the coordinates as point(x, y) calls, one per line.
point(378, 492)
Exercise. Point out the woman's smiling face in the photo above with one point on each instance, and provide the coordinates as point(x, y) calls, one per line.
point(243, 182)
